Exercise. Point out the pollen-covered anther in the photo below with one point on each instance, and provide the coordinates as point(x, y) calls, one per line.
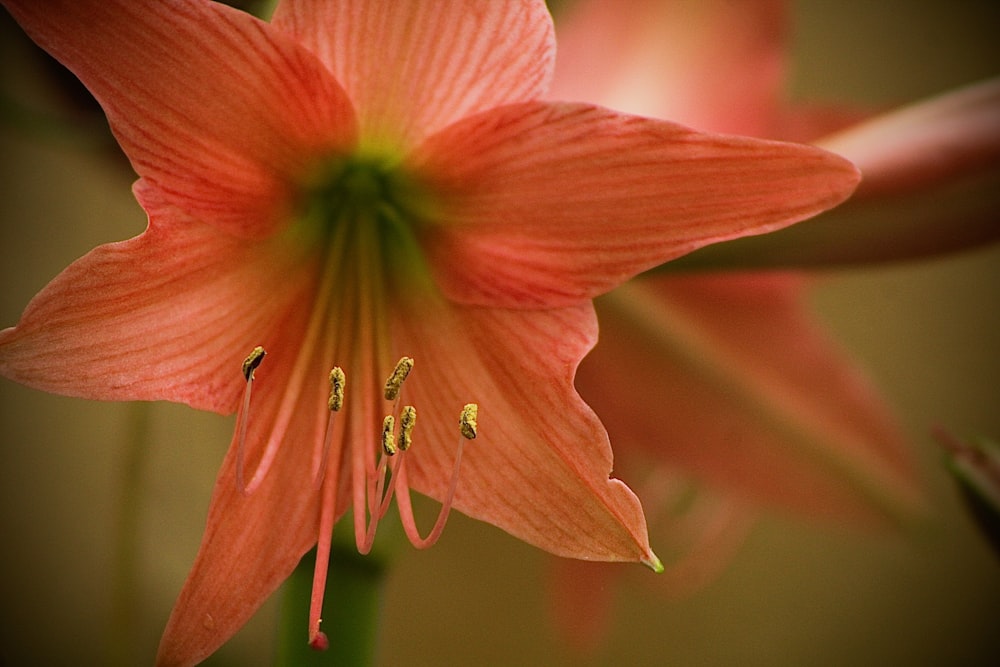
point(337, 382)
point(252, 361)
point(407, 419)
point(395, 381)
point(467, 421)
point(388, 435)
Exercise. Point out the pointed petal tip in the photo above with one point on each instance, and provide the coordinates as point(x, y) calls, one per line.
point(653, 562)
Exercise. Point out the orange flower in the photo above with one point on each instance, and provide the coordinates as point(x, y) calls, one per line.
point(350, 184)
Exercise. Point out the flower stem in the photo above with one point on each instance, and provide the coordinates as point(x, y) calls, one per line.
point(123, 644)
point(350, 619)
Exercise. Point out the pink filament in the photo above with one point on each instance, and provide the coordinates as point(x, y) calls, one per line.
point(242, 436)
point(406, 509)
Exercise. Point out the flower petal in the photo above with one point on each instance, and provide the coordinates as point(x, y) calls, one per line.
point(551, 203)
point(253, 542)
point(729, 379)
point(541, 464)
point(715, 65)
point(166, 315)
point(411, 68)
point(216, 108)
point(926, 143)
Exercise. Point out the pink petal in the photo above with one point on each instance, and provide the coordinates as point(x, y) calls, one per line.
point(931, 185)
point(167, 315)
point(729, 379)
point(712, 64)
point(541, 464)
point(216, 108)
point(581, 596)
point(546, 204)
point(926, 143)
point(807, 123)
point(412, 68)
point(253, 542)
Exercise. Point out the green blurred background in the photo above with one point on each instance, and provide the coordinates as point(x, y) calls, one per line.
point(796, 594)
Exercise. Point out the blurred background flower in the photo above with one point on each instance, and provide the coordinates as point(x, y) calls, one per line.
point(795, 593)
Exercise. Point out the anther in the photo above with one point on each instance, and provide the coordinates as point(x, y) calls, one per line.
point(467, 421)
point(252, 361)
point(406, 421)
point(337, 382)
point(395, 381)
point(388, 438)
point(336, 401)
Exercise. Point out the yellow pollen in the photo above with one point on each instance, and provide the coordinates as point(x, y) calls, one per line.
point(252, 361)
point(388, 439)
point(337, 382)
point(406, 421)
point(467, 422)
point(395, 381)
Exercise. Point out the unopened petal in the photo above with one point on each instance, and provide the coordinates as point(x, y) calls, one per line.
point(215, 107)
point(926, 143)
point(412, 68)
point(931, 185)
point(546, 204)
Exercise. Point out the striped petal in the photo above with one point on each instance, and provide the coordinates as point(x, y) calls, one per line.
point(540, 467)
point(551, 203)
point(217, 109)
point(411, 68)
point(253, 542)
point(167, 315)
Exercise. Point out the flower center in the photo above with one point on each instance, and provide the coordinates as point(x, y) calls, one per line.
point(360, 220)
point(373, 207)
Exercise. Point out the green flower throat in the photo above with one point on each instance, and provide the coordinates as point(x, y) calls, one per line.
point(370, 210)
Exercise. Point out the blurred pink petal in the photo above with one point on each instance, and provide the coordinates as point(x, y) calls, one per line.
point(925, 144)
point(715, 65)
point(729, 379)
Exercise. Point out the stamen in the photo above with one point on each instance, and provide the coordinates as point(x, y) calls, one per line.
point(395, 381)
point(467, 427)
point(250, 365)
point(336, 401)
point(406, 423)
point(388, 438)
point(377, 505)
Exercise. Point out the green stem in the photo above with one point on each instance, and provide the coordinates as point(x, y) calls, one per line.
point(350, 610)
point(124, 629)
